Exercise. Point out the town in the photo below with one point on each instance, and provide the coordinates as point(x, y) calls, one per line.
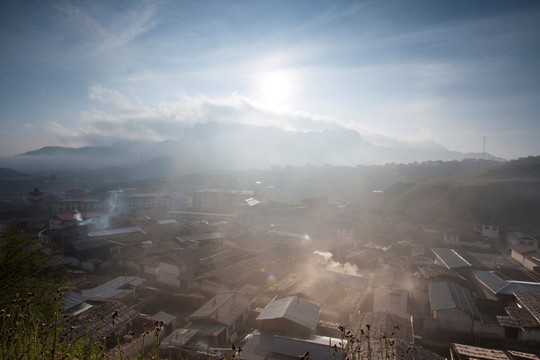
point(245, 264)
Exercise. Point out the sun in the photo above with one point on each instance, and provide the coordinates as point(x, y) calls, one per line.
point(276, 87)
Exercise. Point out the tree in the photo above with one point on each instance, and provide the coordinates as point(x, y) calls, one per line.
point(26, 267)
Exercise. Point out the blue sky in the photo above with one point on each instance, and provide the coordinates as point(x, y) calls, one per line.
point(402, 73)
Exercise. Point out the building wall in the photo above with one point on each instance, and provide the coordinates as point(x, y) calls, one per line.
point(518, 257)
point(393, 301)
point(491, 330)
point(530, 334)
point(531, 264)
point(491, 231)
point(168, 274)
point(454, 320)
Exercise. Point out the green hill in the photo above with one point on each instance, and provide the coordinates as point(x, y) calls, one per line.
point(508, 194)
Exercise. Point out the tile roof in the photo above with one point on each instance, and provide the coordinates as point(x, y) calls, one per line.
point(531, 301)
point(293, 308)
point(474, 352)
point(522, 355)
point(508, 321)
point(522, 316)
point(224, 308)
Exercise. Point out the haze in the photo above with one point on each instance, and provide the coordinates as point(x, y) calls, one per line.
point(411, 75)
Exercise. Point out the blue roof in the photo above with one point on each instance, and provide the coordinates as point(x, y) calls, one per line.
point(499, 284)
point(447, 295)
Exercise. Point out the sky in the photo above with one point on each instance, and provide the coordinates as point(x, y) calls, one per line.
point(409, 74)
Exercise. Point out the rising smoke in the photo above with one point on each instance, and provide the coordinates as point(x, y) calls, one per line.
point(332, 265)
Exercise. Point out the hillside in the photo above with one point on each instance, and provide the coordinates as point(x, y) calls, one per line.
point(507, 194)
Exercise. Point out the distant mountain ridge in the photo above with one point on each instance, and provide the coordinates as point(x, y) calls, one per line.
point(235, 146)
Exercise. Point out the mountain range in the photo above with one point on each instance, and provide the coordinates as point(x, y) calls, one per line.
point(218, 146)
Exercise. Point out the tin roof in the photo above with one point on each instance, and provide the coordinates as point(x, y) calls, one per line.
point(293, 308)
point(499, 284)
point(224, 308)
point(112, 289)
point(447, 295)
point(451, 258)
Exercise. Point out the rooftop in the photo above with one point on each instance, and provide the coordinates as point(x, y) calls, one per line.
point(113, 289)
point(474, 352)
point(499, 284)
point(112, 232)
point(451, 259)
point(178, 338)
point(522, 249)
point(292, 308)
point(224, 308)
point(447, 295)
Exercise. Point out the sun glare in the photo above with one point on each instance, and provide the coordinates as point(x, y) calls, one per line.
point(276, 88)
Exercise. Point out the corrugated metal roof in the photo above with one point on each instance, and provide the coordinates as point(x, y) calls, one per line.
point(163, 316)
point(225, 191)
point(89, 244)
point(440, 297)
point(72, 299)
point(167, 221)
point(252, 202)
point(319, 347)
point(206, 329)
point(499, 284)
point(348, 280)
point(451, 258)
point(493, 280)
point(112, 289)
point(257, 346)
point(201, 237)
point(111, 232)
point(178, 338)
point(445, 295)
point(293, 308)
point(224, 308)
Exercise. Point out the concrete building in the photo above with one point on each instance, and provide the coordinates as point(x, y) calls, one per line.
point(518, 238)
